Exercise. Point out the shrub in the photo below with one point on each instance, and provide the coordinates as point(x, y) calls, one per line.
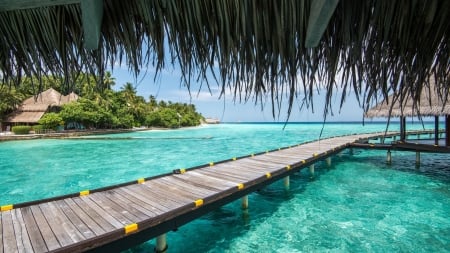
point(51, 120)
point(38, 127)
point(21, 129)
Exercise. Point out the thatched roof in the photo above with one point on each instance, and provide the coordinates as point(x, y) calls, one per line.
point(49, 97)
point(268, 50)
point(33, 108)
point(431, 103)
point(25, 117)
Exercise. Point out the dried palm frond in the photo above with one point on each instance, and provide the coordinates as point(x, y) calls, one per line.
point(255, 48)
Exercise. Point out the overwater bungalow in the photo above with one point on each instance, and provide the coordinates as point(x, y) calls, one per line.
point(431, 103)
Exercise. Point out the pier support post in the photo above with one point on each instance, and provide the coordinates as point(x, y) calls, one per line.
point(244, 202)
point(417, 158)
point(389, 157)
point(287, 183)
point(402, 128)
point(311, 170)
point(328, 161)
point(436, 130)
point(161, 244)
point(447, 130)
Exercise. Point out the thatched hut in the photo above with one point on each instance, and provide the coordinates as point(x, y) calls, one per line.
point(33, 108)
point(431, 103)
point(275, 50)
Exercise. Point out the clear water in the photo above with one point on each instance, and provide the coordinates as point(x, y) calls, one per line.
point(359, 204)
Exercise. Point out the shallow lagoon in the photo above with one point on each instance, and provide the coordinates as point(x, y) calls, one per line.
point(358, 204)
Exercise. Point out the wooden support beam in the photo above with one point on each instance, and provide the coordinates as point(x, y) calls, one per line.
point(328, 161)
point(161, 244)
point(436, 130)
point(447, 130)
point(10, 5)
point(319, 17)
point(311, 170)
point(287, 183)
point(402, 128)
point(92, 16)
point(244, 202)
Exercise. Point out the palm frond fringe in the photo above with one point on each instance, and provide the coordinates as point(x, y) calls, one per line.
point(255, 48)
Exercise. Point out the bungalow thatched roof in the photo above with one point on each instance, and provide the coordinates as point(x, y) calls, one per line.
point(268, 50)
point(431, 103)
point(33, 108)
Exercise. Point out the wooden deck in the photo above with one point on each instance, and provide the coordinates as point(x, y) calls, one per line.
point(113, 218)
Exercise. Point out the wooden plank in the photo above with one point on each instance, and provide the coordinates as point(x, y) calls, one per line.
point(271, 162)
point(194, 184)
point(135, 204)
point(212, 174)
point(191, 187)
point(23, 241)
point(258, 167)
point(187, 196)
point(263, 165)
point(161, 196)
point(93, 225)
point(69, 227)
point(247, 169)
point(63, 229)
point(204, 182)
point(94, 210)
point(147, 202)
point(36, 238)
point(228, 176)
point(49, 237)
point(195, 176)
point(9, 237)
point(84, 207)
point(109, 209)
point(126, 206)
point(150, 199)
point(73, 217)
point(241, 170)
point(166, 195)
point(179, 189)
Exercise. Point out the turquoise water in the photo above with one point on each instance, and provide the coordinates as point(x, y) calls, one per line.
point(359, 204)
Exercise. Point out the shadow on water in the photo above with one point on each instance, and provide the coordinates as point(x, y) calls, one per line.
point(230, 221)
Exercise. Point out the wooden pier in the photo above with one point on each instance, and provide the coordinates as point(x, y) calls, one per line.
point(118, 217)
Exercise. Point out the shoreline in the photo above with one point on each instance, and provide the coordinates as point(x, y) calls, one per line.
point(70, 133)
point(73, 134)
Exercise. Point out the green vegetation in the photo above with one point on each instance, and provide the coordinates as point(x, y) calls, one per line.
point(21, 129)
point(51, 121)
point(103, 107)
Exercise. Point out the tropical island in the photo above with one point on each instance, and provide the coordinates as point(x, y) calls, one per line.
point(89, 107)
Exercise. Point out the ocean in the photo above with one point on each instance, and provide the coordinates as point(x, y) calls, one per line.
point(359, 204)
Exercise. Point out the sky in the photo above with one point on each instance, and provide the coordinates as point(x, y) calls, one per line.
point(168, 87)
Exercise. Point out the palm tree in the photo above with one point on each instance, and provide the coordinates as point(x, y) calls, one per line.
point(108, 81)
point(9, 100)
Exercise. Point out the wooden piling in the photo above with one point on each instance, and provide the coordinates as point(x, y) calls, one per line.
point(161, 244)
